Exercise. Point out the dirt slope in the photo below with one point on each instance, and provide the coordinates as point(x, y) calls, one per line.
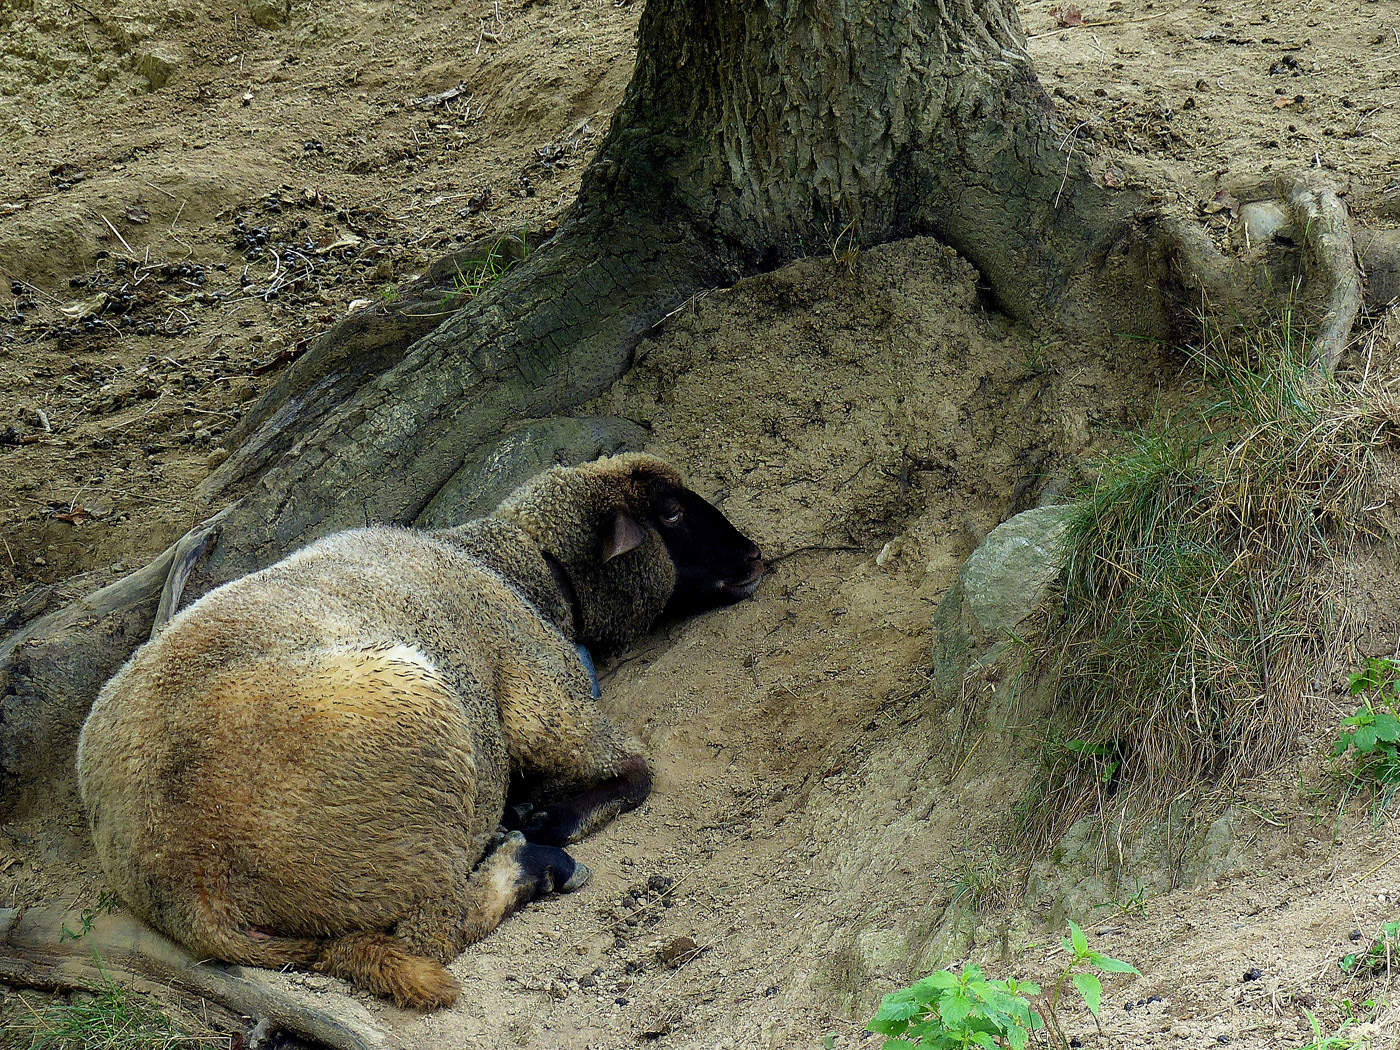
point(234, 175)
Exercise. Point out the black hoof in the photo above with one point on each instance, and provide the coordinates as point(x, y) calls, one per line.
point(550, 869)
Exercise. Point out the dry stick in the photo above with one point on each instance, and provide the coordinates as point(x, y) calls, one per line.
point(1069, 156)
point(118, 949)
point(129, 250)
point(189, 549)
point(137, 419)
point(1366, 875)
point(1094, 25)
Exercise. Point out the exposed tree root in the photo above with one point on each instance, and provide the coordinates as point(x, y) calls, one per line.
point(1331, 253)
point(118, 949)
point(1324, 267)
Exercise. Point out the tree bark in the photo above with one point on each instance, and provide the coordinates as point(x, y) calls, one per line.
point(751, 134)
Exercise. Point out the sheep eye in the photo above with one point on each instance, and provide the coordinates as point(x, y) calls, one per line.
point(673, 516)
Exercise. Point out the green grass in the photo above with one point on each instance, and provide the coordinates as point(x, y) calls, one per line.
point(1199, 610)
point(110, 1019)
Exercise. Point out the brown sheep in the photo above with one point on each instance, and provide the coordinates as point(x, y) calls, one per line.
point(307, 767)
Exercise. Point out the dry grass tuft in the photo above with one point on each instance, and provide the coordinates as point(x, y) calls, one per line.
point(1199, 610)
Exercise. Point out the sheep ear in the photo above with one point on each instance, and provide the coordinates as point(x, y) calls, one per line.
point(621, 535)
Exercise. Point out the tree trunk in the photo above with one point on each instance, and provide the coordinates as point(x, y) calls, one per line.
point(751, 134)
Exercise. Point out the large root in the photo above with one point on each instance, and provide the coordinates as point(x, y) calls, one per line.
point(1311, 243)
point(116, 949)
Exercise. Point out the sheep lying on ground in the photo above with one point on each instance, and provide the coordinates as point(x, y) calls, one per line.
point(308, 765)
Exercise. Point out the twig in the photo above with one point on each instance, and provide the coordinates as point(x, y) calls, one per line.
point(1094, 25)
point(811, 547)
point(1378, 867)
point(154, 405)
point(129, 250)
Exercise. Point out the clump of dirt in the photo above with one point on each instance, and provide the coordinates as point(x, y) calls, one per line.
point(196, 190)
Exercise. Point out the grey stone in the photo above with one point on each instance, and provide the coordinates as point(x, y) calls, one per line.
point(269, 13)
point(1000, 584)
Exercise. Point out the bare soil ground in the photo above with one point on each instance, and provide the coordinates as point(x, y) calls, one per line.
point(191, 190)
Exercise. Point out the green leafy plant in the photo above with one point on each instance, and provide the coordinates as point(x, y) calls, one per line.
point(1382, 955)
point(1134, 905)
point(1372, 735)
point(948, 1010)
point(106, 905)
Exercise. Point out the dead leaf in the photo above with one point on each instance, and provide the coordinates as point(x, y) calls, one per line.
point(1067, 17)
point(345, 240)
point(85, 308)
point(1112, 178)
point(1222, 201)
point(281, 357)
point(72, 516)
point(137, 215)
point(1284, 101)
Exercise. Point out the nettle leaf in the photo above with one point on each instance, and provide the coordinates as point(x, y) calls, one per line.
point(1364, 739)
point(1090, 988)
point(954, 1008)
point(1343, 742)
point(1107, 965)
point(1387, 728)
point(934, 984)
point(899, 1006)
point(983, 1039)
point(1077, 942)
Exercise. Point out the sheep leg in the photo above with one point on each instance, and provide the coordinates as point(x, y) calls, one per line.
point(582, 769)
point(514, 874)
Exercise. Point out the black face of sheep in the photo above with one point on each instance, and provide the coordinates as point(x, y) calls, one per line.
point(716, 564)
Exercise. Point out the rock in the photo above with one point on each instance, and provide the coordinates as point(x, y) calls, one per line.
point(1262, 219)
point(678, 952)
point(157, 63)
point(269, 13)
point(1000, 584)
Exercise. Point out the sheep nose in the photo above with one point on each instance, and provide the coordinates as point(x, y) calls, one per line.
point(754, 553)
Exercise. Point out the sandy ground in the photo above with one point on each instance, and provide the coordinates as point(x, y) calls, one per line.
point(818, 812)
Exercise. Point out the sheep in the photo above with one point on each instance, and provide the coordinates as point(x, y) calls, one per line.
point(307, 767)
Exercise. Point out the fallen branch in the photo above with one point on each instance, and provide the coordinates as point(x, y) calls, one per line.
point(118, 949)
